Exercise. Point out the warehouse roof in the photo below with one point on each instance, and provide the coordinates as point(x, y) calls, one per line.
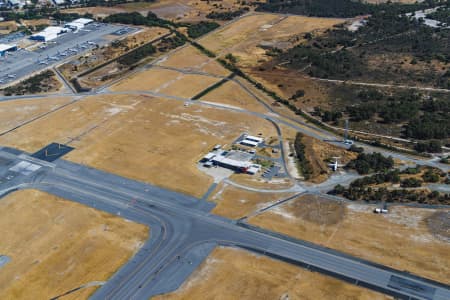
point(6, 47)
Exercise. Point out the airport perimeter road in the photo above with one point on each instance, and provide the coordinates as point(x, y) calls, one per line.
point(183, 232)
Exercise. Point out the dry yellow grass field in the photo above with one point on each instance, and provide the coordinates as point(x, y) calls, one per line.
point(246, 276)
point(140, 137)
point(56, 245)
point(7, 27)
point(169, 82)
point(187, 86)
point(197, 61)
point(235, 203)
point(14, 113)
point(180, 10)
point(399, 239)
point(258, 182)
point(232, 94)
point(147, 80)
point(243, 37)
point(237, 32)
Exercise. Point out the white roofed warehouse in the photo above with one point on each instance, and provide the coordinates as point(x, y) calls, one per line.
point(4, 48)
point(78, 24)
point(48, 34)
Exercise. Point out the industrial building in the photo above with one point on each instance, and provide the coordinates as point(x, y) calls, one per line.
point(238, 161)
point(78, 24)
point(251, 141)
point(48, 34)
point(4, 48)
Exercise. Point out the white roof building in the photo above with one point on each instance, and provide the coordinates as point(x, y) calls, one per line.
point(254, 138)
point(48, 34)
point(83, 21)
point(247, 142)
point(78, 23)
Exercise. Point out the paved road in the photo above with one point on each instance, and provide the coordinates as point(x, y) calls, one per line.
point(183, 232)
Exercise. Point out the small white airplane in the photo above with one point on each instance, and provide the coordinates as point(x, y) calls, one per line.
point(72, 50)
point(334, 166)
point(12, 76)
point(52, 57)
point(62, 53)
point(1, 81)
point(42, 47)
point(91, 43)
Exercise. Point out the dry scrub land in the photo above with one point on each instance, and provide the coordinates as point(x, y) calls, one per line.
point(401, 239)
point(150, 139)
point(243, 275)
point(53, 249)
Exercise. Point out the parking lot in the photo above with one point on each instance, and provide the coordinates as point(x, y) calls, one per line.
point(23, 62)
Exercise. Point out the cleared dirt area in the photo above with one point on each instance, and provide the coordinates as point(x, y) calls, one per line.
point(231, 93)
point(54, 250)
point(400, 239)
point(196, 61)
point(14, 113)
point(244, 275)
point(140, 137)
point(235, 203)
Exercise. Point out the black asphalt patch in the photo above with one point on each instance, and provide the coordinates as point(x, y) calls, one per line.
point(52, 152)
point(412, 287)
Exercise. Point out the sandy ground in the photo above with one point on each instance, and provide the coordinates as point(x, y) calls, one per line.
point(14, 113)
point(235, 203)
point(230, 93)
point(144, 138)
point(400, 239)
point(54, 250)
point(246, 276)
point(196, 61)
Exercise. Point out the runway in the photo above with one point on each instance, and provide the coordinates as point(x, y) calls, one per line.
point(183, 232)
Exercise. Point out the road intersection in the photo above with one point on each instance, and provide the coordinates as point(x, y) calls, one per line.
point(183, 232)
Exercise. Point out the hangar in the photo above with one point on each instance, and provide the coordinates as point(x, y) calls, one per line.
point(48, 34)
point(78, 24)
point(4, 48)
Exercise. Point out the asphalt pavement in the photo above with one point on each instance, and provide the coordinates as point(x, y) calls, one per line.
point(183, 232)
